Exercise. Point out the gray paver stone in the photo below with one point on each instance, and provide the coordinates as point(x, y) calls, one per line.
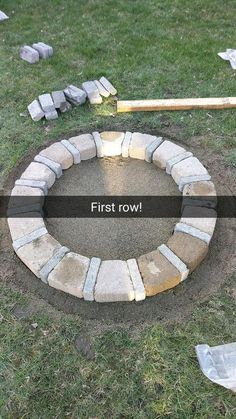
point(139, 290)
point(202, 218)
point(28, 238)
point(91, 278)
point(35, 110)
point(75, 95)
point(59, 99)
point(49, 47)
point(108, 86)
point(33, 184)
point(192, 231)
point(151, 148)
point(42, 50)
point(174, 160)
point(98, 143)
point(125, 144)
point(17, 211)
point(51, 115)
point(65, 108)
point(55, 167)
point(52, 263)
point(29, 54)
point(73, 150)
point(175, 260)
point(46, 103)
point(103, 92)
point(92, 92)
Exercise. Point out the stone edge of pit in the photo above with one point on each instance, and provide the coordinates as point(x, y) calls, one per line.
point(146, 147)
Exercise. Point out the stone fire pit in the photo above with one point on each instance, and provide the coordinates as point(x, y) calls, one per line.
point(115, 280)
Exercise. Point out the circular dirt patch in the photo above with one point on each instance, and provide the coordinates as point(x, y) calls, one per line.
point(114, 238)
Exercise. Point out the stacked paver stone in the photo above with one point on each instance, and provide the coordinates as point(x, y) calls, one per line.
point(98, 88)
point(116, 280)
point(48, 105)
point(32, 54)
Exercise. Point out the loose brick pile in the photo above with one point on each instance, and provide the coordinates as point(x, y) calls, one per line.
point(48, 105)
point(114, 280)
point(32, 54)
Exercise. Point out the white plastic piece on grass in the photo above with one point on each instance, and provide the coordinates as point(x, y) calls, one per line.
point(3, 16)
point(218, 363)
point(229, 55)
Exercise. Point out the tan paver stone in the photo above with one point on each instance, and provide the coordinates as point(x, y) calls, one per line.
point(204, 188)
point(38, 171)
point(111, 142)
point(86, 146)
point(58, 153)
point(113, 282)
point(158, 273)
point(199, 217)
point(166, 151)
point(187, 167)
point(20, 226)
point(138, 145)
point(189, 249)
point(37, 253)
point(25, 192)
point(70, 273)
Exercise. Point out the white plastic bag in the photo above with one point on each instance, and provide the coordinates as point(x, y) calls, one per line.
point(229, 55)
point(218, 363)
point(3, 16)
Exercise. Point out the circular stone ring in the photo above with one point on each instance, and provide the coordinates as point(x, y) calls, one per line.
point(115, 280)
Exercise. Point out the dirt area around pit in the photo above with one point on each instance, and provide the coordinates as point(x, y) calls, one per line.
point(112, 238)
point(124, 238)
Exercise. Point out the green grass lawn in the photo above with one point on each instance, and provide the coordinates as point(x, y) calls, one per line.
point(151, 49)
point(165, 49)
point(136, 372)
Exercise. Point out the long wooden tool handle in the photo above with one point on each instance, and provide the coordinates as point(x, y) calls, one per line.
point(176, 104)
